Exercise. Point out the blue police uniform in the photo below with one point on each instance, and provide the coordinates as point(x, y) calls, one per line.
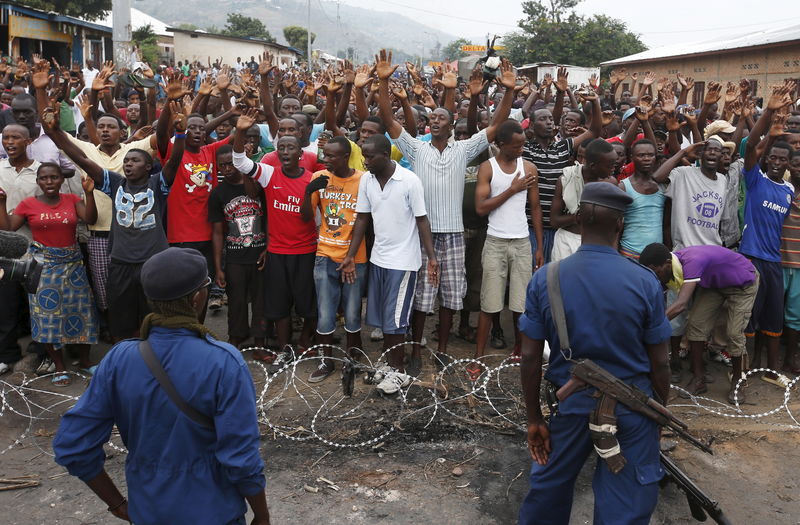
point(614, 307)
point(177, 471)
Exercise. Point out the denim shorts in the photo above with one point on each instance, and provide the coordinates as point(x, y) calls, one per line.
point(331, 291)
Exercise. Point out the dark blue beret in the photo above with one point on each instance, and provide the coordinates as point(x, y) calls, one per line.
point(605, 194)
point(174, 273)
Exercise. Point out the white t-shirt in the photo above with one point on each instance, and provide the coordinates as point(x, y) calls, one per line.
point(394, 211)
point(697, 204)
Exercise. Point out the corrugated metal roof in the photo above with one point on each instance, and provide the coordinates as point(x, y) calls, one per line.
point(759, 38)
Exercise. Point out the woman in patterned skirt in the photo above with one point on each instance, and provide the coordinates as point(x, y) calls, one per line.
point(62, 311)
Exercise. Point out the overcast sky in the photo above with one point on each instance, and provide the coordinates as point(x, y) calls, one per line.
point(681, 20)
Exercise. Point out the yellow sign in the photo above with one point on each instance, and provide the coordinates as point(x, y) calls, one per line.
point(25, 27)
point(434, 64)
point(471, 48)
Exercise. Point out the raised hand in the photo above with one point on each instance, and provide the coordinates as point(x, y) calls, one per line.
point(689, 114)
point(730, 93)
point(348, 72)
point(143, 132)
point(399, 91)
point(781, 96)
point(562, 83)
point(649, 78)
point(50, 117)
point(84, 106)
point(175, 87)
point(103, 79)
point(507, 78)
point(383, 65)
point(744, 88)
point(247, 119)
point(735, 107)
point(714, 93)
point(694, 150)
point(289, 82)
point(223, 81)
point(672, 122)
point(634, 76)
point(593, 81)
point(206, 87)
point(449, 78)
point(41, 74)
point(177, 116)
point(607, 117)
point(87, 183)
point(668, 99)
point(265, 67)
point(547, 80)
point(334, 83)
point(645, 108)
point(778, 126)
point(362, 77)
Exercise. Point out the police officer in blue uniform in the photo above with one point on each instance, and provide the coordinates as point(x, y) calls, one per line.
point(180, 469)
point(615, 316)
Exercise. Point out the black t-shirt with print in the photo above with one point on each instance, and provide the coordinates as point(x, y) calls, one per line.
point(245, 237)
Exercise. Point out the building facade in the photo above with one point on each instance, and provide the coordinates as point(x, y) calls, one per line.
point(191, 46)
point(766, 58)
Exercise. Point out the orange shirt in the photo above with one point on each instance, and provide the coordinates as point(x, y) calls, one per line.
point(337, 204)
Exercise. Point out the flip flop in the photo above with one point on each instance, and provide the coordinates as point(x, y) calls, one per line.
point(474, 372)
point(781, 381)
point(61, 380)
point(90, 371)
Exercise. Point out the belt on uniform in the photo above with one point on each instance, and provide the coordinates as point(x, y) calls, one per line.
point(100, 233)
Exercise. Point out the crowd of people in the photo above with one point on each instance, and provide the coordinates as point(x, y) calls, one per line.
point(308, 192)
point(279, 178)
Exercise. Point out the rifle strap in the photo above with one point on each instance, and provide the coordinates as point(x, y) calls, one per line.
point(603, 428)
point(557, 308)
point(157, 369)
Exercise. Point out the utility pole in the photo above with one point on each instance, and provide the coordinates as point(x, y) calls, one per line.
point(308, 36)
point(123, 47)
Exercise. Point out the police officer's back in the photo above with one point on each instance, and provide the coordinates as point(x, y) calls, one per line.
point(615, 316)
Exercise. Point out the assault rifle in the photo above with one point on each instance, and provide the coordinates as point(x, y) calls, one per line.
point(699, 503)
point(587, 373)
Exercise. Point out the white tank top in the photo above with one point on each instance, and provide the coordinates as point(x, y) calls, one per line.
point(508, 221)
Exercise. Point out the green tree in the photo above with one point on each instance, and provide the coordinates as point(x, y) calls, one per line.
point(452, 51)
point(555, 33)
point(297, 37)
point(89, 9)
point(246, 26)
point(147, 40)
point(188, 27)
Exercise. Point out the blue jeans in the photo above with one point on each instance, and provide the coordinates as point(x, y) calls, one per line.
point(548, 236)
point(331, 291)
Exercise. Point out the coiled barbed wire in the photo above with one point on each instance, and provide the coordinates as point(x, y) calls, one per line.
point(294, 409)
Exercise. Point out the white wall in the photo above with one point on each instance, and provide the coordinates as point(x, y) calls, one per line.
point(204, 46)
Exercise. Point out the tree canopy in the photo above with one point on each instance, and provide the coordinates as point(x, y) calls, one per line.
point(147, 40)
point(297, 37)
point(246, 26)
point(89, 9)
point(452, 51)
point(555, 33)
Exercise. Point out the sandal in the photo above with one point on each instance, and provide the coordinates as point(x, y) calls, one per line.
point(694, 388)
point(90, 371)
point(780, 381)
point(474, 371)
point(61, 380)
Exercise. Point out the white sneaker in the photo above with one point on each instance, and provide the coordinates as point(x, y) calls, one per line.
point(376, 335)
point(381, 370)
point(393, 382)
point(4, 368)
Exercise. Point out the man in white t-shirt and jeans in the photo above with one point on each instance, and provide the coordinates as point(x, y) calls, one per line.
point(698, 198)
point(392, 198)
point(505, 184)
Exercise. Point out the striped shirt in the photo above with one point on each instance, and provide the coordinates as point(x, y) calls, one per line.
point(442, 175)
point(550, 164)
point(790, 236)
